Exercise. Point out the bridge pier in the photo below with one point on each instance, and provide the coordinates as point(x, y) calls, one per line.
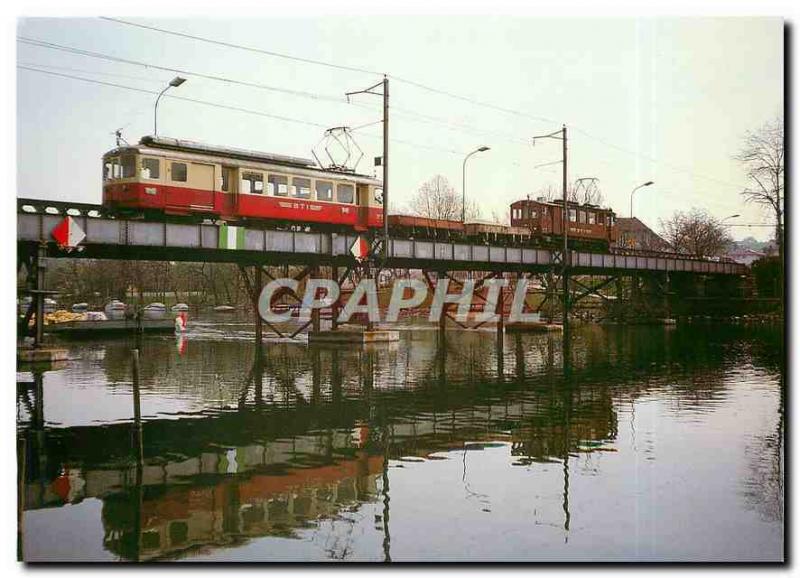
point(256, 294)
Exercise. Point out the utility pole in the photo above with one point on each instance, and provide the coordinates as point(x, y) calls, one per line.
point(562, 136)
point(385, 164)
point(564, 192)
point(384, 84)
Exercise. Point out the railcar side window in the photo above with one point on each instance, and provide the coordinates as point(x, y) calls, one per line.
point(301, 188)
point(573, 215)
point(128, 166)
point(150, 168)
point(533, 215)
point(592, 217)
point(278, 185)
point(252, 183)
point(324, 190)
point(345, 193)
point(179, 172)
point(582, 216)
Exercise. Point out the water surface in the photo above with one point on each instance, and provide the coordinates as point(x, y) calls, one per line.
point(652, 444)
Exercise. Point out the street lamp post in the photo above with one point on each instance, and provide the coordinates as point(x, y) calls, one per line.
point(464, 182)
point(175, 82)
point(647, 184)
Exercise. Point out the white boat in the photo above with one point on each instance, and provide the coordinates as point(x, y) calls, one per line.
point(178, 307)
point(115, 309)
point(80, 307)
point(224, 308)
point(155, 311)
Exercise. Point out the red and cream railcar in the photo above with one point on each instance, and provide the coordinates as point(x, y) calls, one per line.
point(180, 177)
point(589, 225)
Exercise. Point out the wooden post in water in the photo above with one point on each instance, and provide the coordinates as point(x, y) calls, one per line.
point(335, 304)
point(137, 407)
point(139, 448)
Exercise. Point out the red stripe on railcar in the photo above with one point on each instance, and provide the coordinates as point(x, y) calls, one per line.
point(186, 200)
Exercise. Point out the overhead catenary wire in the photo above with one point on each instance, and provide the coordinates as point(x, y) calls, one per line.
point(223, 106)
point(403, 113)
point(175, 70)
point(399, 111)
point(242, 47)
point(416, 84)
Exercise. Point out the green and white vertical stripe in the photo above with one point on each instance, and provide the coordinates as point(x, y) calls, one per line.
point(231, 237)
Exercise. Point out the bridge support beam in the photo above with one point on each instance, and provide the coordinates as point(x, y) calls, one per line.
point(255, 296)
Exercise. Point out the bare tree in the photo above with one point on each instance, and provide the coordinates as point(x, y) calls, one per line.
point(763, 159)
point(695, 233)
point(437, 199)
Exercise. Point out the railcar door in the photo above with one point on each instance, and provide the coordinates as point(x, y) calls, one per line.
point(229, 198)
point(191, 187)
point(203, 183)
point(362, 200)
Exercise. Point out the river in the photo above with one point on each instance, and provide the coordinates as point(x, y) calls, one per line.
point(651, 444)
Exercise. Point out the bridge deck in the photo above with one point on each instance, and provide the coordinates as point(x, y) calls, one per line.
point(115, 238)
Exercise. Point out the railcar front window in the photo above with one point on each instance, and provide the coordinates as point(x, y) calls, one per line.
point(150, 169)
point(345, 193)
point(278, 185)
point(108, 169)
point(378, 196)
point(301, 188)
point(179, 172)
point(324, 190)
point(128, 166)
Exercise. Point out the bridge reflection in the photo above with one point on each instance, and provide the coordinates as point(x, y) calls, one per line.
point(309, 433)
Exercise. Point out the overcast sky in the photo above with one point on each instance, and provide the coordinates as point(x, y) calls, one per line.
point(666, 100)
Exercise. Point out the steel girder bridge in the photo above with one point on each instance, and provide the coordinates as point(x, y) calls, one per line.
point(664, 277)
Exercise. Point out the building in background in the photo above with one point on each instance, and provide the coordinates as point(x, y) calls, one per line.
point(634, 234)
point(744, 255)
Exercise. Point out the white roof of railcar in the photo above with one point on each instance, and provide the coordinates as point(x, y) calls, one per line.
point(193, 149)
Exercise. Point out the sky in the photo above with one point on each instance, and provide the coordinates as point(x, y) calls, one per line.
point(644, 99)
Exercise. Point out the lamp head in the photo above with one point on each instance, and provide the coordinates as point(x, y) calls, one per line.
point(177, 81)
point(483, 149)
point(647, 184)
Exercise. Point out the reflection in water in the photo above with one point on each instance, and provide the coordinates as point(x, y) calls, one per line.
point(299, 443)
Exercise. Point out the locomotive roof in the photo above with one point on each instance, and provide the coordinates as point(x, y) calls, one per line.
point(560, 203)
